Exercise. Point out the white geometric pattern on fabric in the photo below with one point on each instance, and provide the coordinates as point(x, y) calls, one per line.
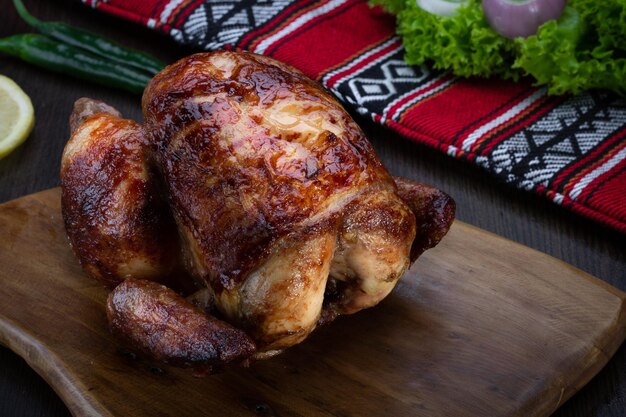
point(533, 156)
point(394, 71)
point(388, 77)
point(217, 23)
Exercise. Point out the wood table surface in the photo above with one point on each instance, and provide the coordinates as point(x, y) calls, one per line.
point(481, 200)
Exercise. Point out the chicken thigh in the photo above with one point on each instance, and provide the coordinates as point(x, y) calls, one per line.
point(251, 180)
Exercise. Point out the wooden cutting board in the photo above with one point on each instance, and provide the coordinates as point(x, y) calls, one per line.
point(480, 326)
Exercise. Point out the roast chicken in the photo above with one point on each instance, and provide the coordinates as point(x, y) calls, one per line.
point(246, 210)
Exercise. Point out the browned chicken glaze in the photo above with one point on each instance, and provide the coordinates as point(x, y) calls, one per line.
point(177, 331)
point(285, 217)
point(112, 207)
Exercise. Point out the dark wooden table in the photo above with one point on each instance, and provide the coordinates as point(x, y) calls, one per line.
point(481, 200)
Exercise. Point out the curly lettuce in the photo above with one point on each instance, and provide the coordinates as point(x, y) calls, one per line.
point(584, 49)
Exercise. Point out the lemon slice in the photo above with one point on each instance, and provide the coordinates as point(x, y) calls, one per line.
point(17, 116)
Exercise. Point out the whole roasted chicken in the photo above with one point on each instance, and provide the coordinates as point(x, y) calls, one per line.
point(246, 210)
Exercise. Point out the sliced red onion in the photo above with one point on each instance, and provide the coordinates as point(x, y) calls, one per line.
point(513, 19)
point(440, 7)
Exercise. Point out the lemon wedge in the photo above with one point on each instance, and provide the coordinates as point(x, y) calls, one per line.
point(17, 116)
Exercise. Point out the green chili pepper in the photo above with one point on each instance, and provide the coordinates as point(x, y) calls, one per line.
point(67, 59)
point(91, 42)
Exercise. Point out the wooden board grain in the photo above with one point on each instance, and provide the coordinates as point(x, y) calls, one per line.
point(480, 326)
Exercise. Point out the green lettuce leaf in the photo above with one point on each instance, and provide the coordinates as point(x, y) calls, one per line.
point(580, 51)
point(584, 49)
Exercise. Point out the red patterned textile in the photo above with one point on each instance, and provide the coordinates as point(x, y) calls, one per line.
point(570, 149)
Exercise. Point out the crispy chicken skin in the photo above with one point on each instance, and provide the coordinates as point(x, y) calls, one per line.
point(179, 332)
point(284, 215)
point(434, 212)
point(112, 207)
